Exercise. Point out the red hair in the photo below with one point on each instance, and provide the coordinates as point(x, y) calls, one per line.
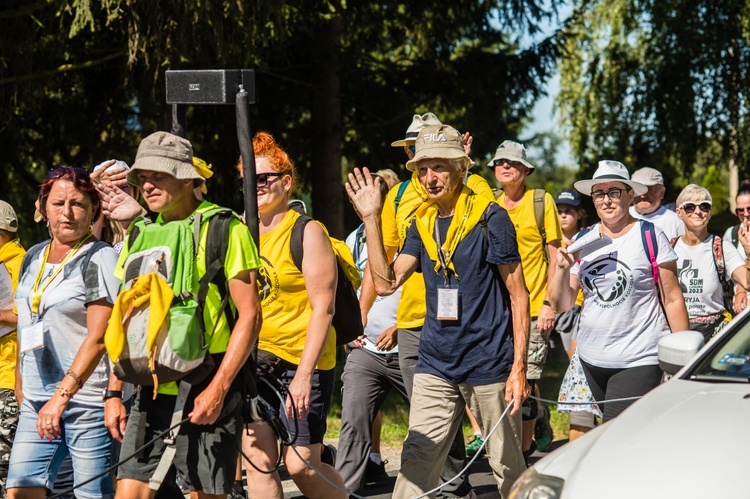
point(82, 182)
point(265, 146)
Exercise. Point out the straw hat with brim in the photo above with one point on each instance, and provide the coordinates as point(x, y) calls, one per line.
point(610, 171)
point(417, 123)
point(438, 142)
point(511, 151)
point(167, 153)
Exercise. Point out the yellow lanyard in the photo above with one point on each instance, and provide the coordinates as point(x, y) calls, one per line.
point(36, 292)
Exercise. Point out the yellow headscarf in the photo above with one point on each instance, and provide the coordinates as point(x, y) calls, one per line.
point(466, 215)
point(204, 170)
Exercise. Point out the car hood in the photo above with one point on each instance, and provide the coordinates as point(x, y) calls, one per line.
point(684, 439)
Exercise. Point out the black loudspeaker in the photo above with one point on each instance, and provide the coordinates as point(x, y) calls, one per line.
point(209, 86)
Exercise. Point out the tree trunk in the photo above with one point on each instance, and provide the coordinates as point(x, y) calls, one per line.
point(327, 190)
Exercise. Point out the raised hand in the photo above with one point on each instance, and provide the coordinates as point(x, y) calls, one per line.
point(364, 192)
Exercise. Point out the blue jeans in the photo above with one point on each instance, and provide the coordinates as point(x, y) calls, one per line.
point(35, 462)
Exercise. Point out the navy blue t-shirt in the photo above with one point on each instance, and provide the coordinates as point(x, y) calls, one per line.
point(478, 347)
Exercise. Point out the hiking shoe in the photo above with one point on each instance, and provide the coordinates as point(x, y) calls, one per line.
point(474, 445)
point(328, 455)
point(543, 430)
point(375, 473)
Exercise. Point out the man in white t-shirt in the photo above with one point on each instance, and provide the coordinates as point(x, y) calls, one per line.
point(372, 370)
point(649, 207)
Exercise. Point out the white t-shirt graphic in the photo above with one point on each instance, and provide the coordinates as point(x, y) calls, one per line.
point(621, 318)
point(698, 277)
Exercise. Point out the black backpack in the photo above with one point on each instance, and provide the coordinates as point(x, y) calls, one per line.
point(347, 320)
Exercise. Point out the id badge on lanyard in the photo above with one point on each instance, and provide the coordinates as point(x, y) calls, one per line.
point(447, 295)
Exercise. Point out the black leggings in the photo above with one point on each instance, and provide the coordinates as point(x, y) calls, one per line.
point(608, 384)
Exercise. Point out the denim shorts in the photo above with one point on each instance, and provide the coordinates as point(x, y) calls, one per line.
point(35, 462)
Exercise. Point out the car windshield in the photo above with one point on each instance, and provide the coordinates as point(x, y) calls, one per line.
point(729, 357)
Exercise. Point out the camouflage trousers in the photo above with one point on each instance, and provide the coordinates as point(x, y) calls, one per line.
point(8, 424)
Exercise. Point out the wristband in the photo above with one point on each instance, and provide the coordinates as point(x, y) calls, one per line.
point(112, 394)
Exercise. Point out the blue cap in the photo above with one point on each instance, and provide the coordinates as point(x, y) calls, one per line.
point(568, 196)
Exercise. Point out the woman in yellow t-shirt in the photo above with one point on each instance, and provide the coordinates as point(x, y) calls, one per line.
point(297, 345)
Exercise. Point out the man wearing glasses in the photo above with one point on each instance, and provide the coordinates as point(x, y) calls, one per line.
point(648, 206)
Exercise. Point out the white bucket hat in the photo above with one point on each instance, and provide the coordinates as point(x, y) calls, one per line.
point(417, 123)
point(610, 171)
point(512, 151)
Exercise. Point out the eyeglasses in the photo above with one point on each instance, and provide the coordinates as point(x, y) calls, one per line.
point(742, 211)
point(62, 170)
point(689, 208)
point(614, 193)
point(261, 179)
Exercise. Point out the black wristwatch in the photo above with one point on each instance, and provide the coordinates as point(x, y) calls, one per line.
point(112, 394)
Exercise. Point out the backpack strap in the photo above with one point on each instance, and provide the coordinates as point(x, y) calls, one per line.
point(136, 224)
point(719, 264)
point(35, 250)
point(360, 239)
point(400, 193)
point(32, 253)
point(170, 447)
point(297, 240)
point(539, 217)
point(217, 243)
point(735, 235)
point(483, 223)
point(648, 238)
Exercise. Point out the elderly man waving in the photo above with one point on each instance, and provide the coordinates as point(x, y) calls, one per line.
point(473, 344)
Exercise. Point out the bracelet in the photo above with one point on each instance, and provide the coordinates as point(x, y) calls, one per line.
point(64, 392)
point(741, 293)
point(77, 379)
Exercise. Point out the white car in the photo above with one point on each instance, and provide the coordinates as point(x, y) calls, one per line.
point(688, 438)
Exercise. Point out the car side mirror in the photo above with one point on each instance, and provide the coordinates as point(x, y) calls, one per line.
point(677, 349)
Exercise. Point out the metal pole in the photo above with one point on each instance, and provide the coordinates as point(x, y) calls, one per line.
point(250, 188)
point(179, 120)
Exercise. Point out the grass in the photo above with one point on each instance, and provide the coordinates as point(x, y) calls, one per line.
point(396, 412)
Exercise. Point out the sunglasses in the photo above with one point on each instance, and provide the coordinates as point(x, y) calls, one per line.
point(62, 170)
point(261, 179)
point(413, 149)
point(689, 208)
point(742, 211)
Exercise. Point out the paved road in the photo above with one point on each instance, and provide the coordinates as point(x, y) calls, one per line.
point(481, 479)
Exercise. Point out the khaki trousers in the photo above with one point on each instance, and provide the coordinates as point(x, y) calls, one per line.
point(436, 411)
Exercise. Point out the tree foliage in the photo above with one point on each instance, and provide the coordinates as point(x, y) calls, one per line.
point(83, 81)
point(653, 83)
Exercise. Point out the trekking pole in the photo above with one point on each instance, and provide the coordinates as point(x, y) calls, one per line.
point(250, 188)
